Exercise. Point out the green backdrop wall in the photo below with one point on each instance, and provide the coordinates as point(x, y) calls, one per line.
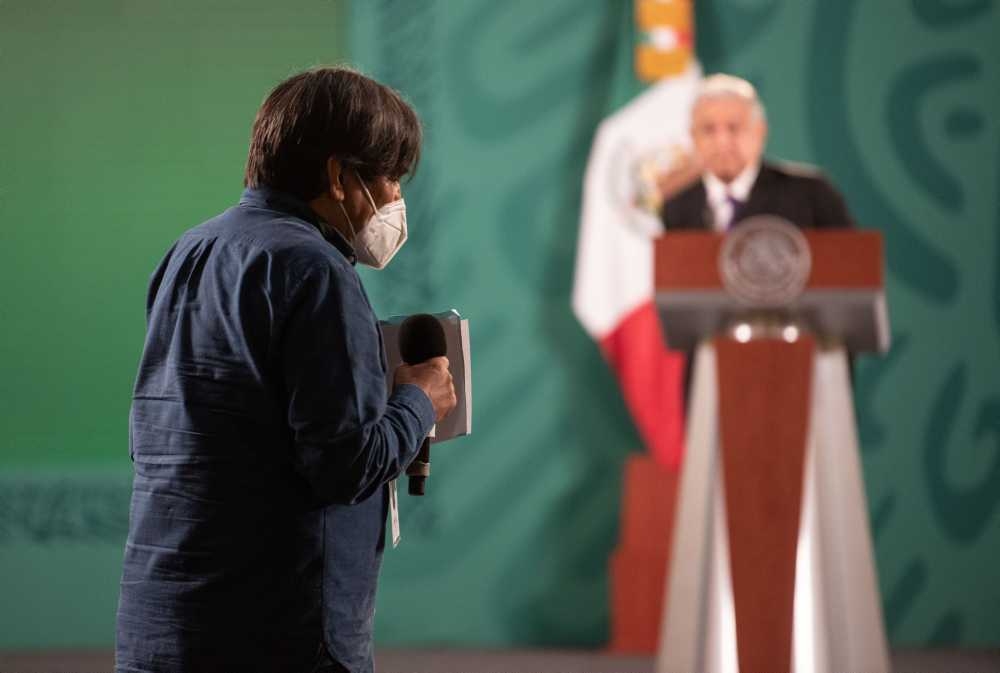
point(123, 124)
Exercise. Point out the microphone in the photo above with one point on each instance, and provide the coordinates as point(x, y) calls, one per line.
point(421, 338)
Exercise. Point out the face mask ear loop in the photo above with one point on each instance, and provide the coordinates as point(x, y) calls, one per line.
point(367, 193)
point(350, 224)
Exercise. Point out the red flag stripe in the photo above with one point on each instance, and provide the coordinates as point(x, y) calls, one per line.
point(652, 380)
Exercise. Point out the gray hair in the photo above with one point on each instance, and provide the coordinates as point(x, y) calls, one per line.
point(720, 86)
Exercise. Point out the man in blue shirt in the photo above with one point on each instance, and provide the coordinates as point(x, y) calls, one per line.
point(261, 431)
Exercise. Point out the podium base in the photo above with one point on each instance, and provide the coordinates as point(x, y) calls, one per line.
point(837, 620)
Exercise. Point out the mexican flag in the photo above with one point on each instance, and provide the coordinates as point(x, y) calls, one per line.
point(635, 151)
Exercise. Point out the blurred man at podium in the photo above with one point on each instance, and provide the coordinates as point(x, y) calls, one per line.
point(771, 546)
point(728, 131)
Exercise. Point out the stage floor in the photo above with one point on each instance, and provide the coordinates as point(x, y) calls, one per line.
point(505, 661)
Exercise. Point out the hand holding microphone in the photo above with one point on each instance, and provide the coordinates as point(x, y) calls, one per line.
point(422, 346)
point(433, 377)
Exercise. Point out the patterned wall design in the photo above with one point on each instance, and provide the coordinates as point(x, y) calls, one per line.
point(897, 101)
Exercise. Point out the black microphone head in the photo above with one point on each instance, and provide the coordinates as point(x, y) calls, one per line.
point(421, 338)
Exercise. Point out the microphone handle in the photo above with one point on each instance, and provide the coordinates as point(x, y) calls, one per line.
point(420, 468)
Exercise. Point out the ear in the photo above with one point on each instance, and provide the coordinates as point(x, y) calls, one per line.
point(334, 178)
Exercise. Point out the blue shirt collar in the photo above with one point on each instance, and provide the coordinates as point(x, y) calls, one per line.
point(273, 199)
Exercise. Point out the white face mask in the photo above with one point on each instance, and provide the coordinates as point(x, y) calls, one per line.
point(382, 235)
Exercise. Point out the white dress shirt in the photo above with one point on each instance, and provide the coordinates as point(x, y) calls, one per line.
point(718, 192)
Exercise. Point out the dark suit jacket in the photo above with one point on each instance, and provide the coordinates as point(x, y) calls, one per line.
point(800, 194)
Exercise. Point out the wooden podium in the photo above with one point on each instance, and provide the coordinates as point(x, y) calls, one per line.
point(772, 568)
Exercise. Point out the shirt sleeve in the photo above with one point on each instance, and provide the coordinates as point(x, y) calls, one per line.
point(349, 437)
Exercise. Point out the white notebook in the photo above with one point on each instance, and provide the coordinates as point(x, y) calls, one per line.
point(456, 334)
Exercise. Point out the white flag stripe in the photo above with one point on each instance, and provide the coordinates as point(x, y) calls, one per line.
point(614, 264)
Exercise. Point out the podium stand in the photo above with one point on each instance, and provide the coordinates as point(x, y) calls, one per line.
point(772, 568)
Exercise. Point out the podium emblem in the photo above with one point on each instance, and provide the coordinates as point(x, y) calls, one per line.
point(765, 261)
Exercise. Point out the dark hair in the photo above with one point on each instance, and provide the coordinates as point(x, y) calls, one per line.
point(330, 111)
